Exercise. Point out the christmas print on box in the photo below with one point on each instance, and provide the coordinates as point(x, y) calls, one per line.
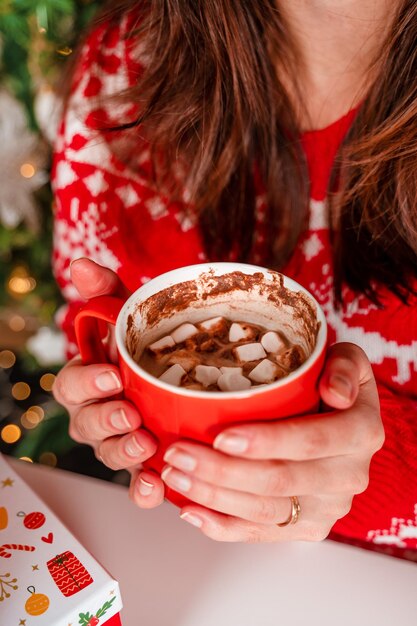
point(46, 577)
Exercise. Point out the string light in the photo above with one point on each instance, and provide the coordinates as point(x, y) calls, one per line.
point(11, 433)
point(20, 282)
point(65, 51)
point(21, 391)
point(47, 381)
point(48, 458)
point(27, 170)
point(17, 323)
point(7, 359)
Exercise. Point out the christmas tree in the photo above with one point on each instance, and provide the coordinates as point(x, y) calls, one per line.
point(37, 38)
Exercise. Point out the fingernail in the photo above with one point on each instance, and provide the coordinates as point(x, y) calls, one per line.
point(180, 459)
point(118, 419)
point(133, 448)
point(108, 381)
point(193, 519)
point(234, 444)
point(176, 480)
point(341, 386)
point(145, 488)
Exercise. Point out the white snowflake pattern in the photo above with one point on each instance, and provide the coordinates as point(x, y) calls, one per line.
point(402, 533)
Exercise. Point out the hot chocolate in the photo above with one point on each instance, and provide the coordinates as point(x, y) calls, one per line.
point(218, 354)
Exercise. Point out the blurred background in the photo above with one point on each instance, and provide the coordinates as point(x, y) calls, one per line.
point(37, 38)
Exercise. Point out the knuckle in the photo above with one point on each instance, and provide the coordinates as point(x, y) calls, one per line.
point(73, 432)
point(318, 532)
point(339, 508)
point(316, 440)
point(265, 510)
point(106, 457)
point(253, 535)
point(210, 496)
point(277, 481)
point(376, 436)
point(59, 389)
point(357, 482)
point(81, 426)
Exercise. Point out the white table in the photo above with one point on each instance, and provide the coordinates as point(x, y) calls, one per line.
point(170, 575)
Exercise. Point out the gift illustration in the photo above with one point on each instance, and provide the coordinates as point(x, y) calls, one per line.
point(69, 573)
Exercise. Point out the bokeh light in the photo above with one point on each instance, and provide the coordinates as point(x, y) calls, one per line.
point(32, 417)
point(20, 282)
point(27, 170)
point(11, 433)
point(21, 391)
point(47, 381)
point(17, 323)
point(7, 359)
point(48, 458)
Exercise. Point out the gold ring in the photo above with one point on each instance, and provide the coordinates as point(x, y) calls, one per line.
point(295, 512)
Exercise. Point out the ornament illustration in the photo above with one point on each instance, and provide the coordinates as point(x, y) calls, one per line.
point(37, 603)
point(4, 519)
point(86, 619)
point(6, 584)
point(33, 520)
point(48, 538)
point(4, 549)
point(69, 573)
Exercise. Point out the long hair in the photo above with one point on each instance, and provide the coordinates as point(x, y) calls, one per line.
point(212, 97)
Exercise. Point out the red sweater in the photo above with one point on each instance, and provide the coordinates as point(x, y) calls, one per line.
point(113, 215)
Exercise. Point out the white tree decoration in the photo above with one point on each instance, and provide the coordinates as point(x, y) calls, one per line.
point(22, 161)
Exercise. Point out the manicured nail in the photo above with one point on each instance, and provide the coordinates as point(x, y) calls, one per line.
point(133, 448)
point(119, 421)
point(192, 518)
point(176, 480)
point(108, 381)
point(180, 459)
point(145, 488)
point(341, 386)
point(234, 444)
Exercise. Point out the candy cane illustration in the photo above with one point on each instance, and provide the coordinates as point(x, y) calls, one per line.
point(14, 546)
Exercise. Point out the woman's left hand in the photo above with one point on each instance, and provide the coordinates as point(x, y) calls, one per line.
point(242, 488)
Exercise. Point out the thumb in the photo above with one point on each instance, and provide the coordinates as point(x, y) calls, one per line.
point(346, 370)
point(92, 279)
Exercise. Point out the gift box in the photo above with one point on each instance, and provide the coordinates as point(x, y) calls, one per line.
point(47, 578)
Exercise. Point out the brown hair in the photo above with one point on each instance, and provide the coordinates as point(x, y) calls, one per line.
point(212, 97)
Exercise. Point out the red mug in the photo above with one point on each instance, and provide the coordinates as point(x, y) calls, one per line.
point(237, 291)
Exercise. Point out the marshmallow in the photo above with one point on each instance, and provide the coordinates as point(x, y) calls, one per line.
point(249, 352)
point(264, 372)
point(231, 381)
point(234, 370)
point(162, 344)
point(207, 374)
point(183, 358)
point(272, 342)
point(238, 332)
point(183, 332)
point(173, 375)
point(213, 324)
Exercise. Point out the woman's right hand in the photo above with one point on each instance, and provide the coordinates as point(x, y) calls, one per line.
point(98, 417)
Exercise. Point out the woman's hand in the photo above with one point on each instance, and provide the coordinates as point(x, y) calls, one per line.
point(98, 417)
point(242, 488)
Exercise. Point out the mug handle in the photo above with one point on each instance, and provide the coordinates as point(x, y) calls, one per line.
point(88, 326)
